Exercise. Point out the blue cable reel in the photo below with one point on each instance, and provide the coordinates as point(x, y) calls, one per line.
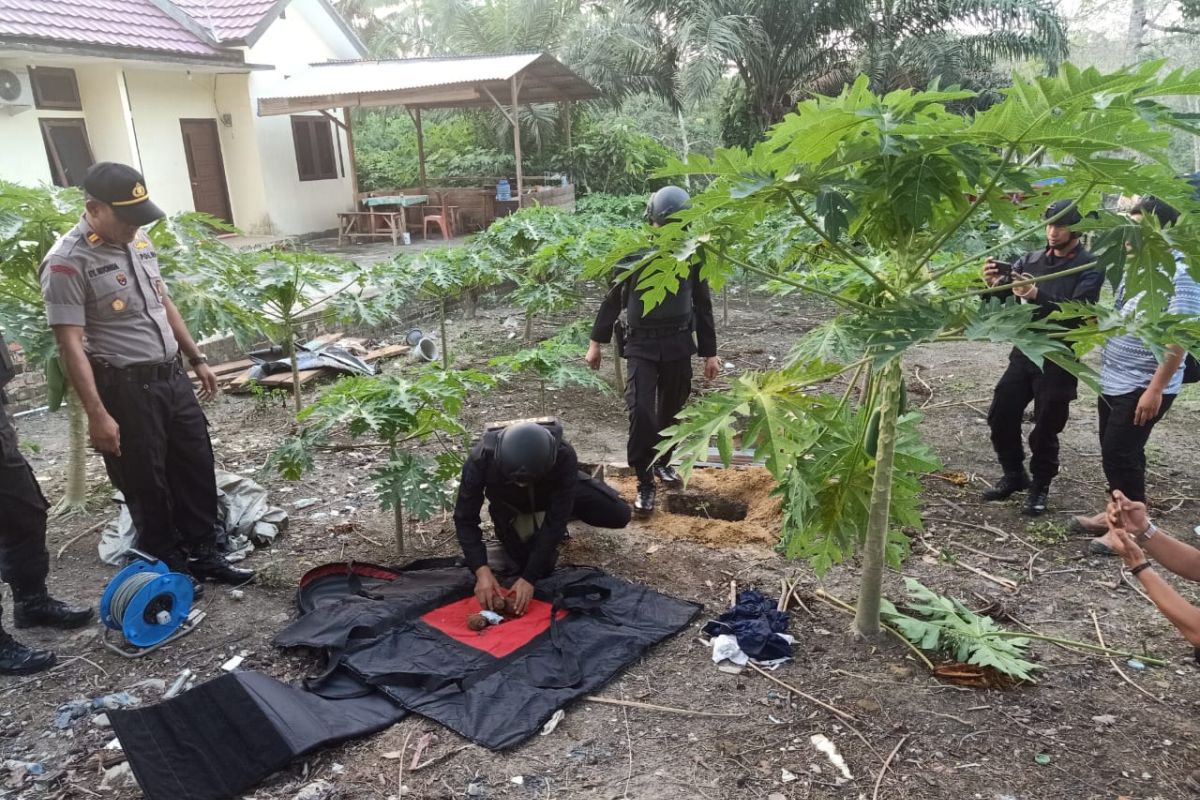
point(149, 605)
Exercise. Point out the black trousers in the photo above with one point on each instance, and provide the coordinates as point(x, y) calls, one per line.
point(1123, 444)
point(24, 561)
point(1051, 390)
point(596, 504)
point(655, 392)
point(165, 469)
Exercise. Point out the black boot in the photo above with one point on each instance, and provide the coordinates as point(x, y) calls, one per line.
point(212, 566)
point(41, 610)
point(645, 497)
point(1008, 485)
point(17, 659)
point(667, 474)
point(1035, 503)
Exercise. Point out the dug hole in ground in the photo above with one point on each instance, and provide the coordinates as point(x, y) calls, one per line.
point(1081, 731)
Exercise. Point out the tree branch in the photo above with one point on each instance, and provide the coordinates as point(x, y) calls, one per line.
point(969, 210)
point(1154, 26)
point(836, 298)
point(837, 247)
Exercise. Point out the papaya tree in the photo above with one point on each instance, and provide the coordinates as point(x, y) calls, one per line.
point(31, 220)
point(883, 194)
point(412, 417)
point(554, 363)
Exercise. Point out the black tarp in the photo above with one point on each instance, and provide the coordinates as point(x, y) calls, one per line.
point(396, 641)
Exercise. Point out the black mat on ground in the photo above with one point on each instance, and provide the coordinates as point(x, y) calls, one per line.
point(223, 737)
point(381, 637)
point(395, 641)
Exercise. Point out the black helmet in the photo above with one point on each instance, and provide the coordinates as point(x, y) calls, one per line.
point(1072, 217)
point(666, 202)
point(526, 452)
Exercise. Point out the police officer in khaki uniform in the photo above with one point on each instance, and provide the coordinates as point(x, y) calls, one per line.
point(121, 338)
point(24, 562)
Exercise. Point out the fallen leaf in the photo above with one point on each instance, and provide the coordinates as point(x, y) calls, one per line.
point(1104, 719)
point(652, 549)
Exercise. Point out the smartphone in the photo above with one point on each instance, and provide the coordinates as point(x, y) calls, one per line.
point(1003, 267)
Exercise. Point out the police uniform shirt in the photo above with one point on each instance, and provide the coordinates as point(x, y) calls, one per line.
point(114, 292)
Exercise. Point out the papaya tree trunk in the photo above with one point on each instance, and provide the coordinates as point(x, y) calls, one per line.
point(442, 328)
point(528, 326)
point(866, 620)
point(297, 400)
point(542, 394)
point(75, 495)
point(398, 513)
point(471, 303)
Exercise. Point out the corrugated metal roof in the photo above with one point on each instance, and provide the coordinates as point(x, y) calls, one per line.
point(458, 81)
point(132, 24)
point(366, 77)
point(229, 20)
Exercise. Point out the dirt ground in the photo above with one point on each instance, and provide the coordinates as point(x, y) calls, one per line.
point(1081, 731)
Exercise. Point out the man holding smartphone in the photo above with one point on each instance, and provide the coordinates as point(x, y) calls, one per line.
point(1050, 387)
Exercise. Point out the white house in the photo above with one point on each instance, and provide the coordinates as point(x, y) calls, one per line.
point(171, 87)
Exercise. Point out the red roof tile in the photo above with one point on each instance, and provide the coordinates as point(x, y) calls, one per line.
point(134, 24)
point(228, 20)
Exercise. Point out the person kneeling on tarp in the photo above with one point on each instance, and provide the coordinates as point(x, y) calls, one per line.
point(533, 486)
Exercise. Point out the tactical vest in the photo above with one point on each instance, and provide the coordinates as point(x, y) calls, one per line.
point(673, 313)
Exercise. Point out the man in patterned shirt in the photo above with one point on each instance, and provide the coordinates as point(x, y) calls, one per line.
point(1136, 389)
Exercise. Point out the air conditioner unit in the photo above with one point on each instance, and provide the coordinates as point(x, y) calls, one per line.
point(16, 93)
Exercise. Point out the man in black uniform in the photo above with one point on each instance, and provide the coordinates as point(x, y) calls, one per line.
point(1051, 388)
point(533, 486)
point(121, 339)
point(658, 347)
point(24, 562)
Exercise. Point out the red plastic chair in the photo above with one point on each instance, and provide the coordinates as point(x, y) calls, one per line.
point(441, 219)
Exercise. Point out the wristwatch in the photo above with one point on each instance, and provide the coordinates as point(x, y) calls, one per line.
point(1147, 534)
point(198, 359)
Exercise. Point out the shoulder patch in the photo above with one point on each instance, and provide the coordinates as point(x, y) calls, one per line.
point(63, 269)
point(93, 238)
point(141, 244)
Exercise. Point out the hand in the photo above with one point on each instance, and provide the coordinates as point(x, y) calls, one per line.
point(520, 595)
point(1028, 291)
point(487, 590)
point(208, 382)
point(712, 367)
point(594, 355)
point(105, 433)
point(990, 273)
point(1125, 546)
point(1148, 407)
point(1127, 514)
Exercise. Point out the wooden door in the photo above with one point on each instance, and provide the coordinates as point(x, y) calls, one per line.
point(202, 148)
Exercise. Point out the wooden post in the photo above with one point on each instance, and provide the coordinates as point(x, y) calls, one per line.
point(566, 109)
point(353, 163)
point(516, 123)
point(420, 146)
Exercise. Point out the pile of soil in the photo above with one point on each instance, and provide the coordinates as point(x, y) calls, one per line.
point(751, 486)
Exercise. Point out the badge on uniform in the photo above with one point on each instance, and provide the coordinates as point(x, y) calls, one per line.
point(93, 238)
point(121, 279)
point(118, 305)
point(141, 244)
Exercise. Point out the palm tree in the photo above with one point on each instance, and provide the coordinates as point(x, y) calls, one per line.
point(781, 51)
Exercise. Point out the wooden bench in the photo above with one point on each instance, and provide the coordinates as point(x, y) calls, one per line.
point(355, 225)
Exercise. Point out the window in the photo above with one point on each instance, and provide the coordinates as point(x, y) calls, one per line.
point(314, 148)
point(68, 150)
point(55, 88)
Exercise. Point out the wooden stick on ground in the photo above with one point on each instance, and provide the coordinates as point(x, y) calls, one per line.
point(732, 594)
point(879, 780)
point(846, 718)
point(652, 707)
point(829, 599)
point(77, 537)
point(1113, 661)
